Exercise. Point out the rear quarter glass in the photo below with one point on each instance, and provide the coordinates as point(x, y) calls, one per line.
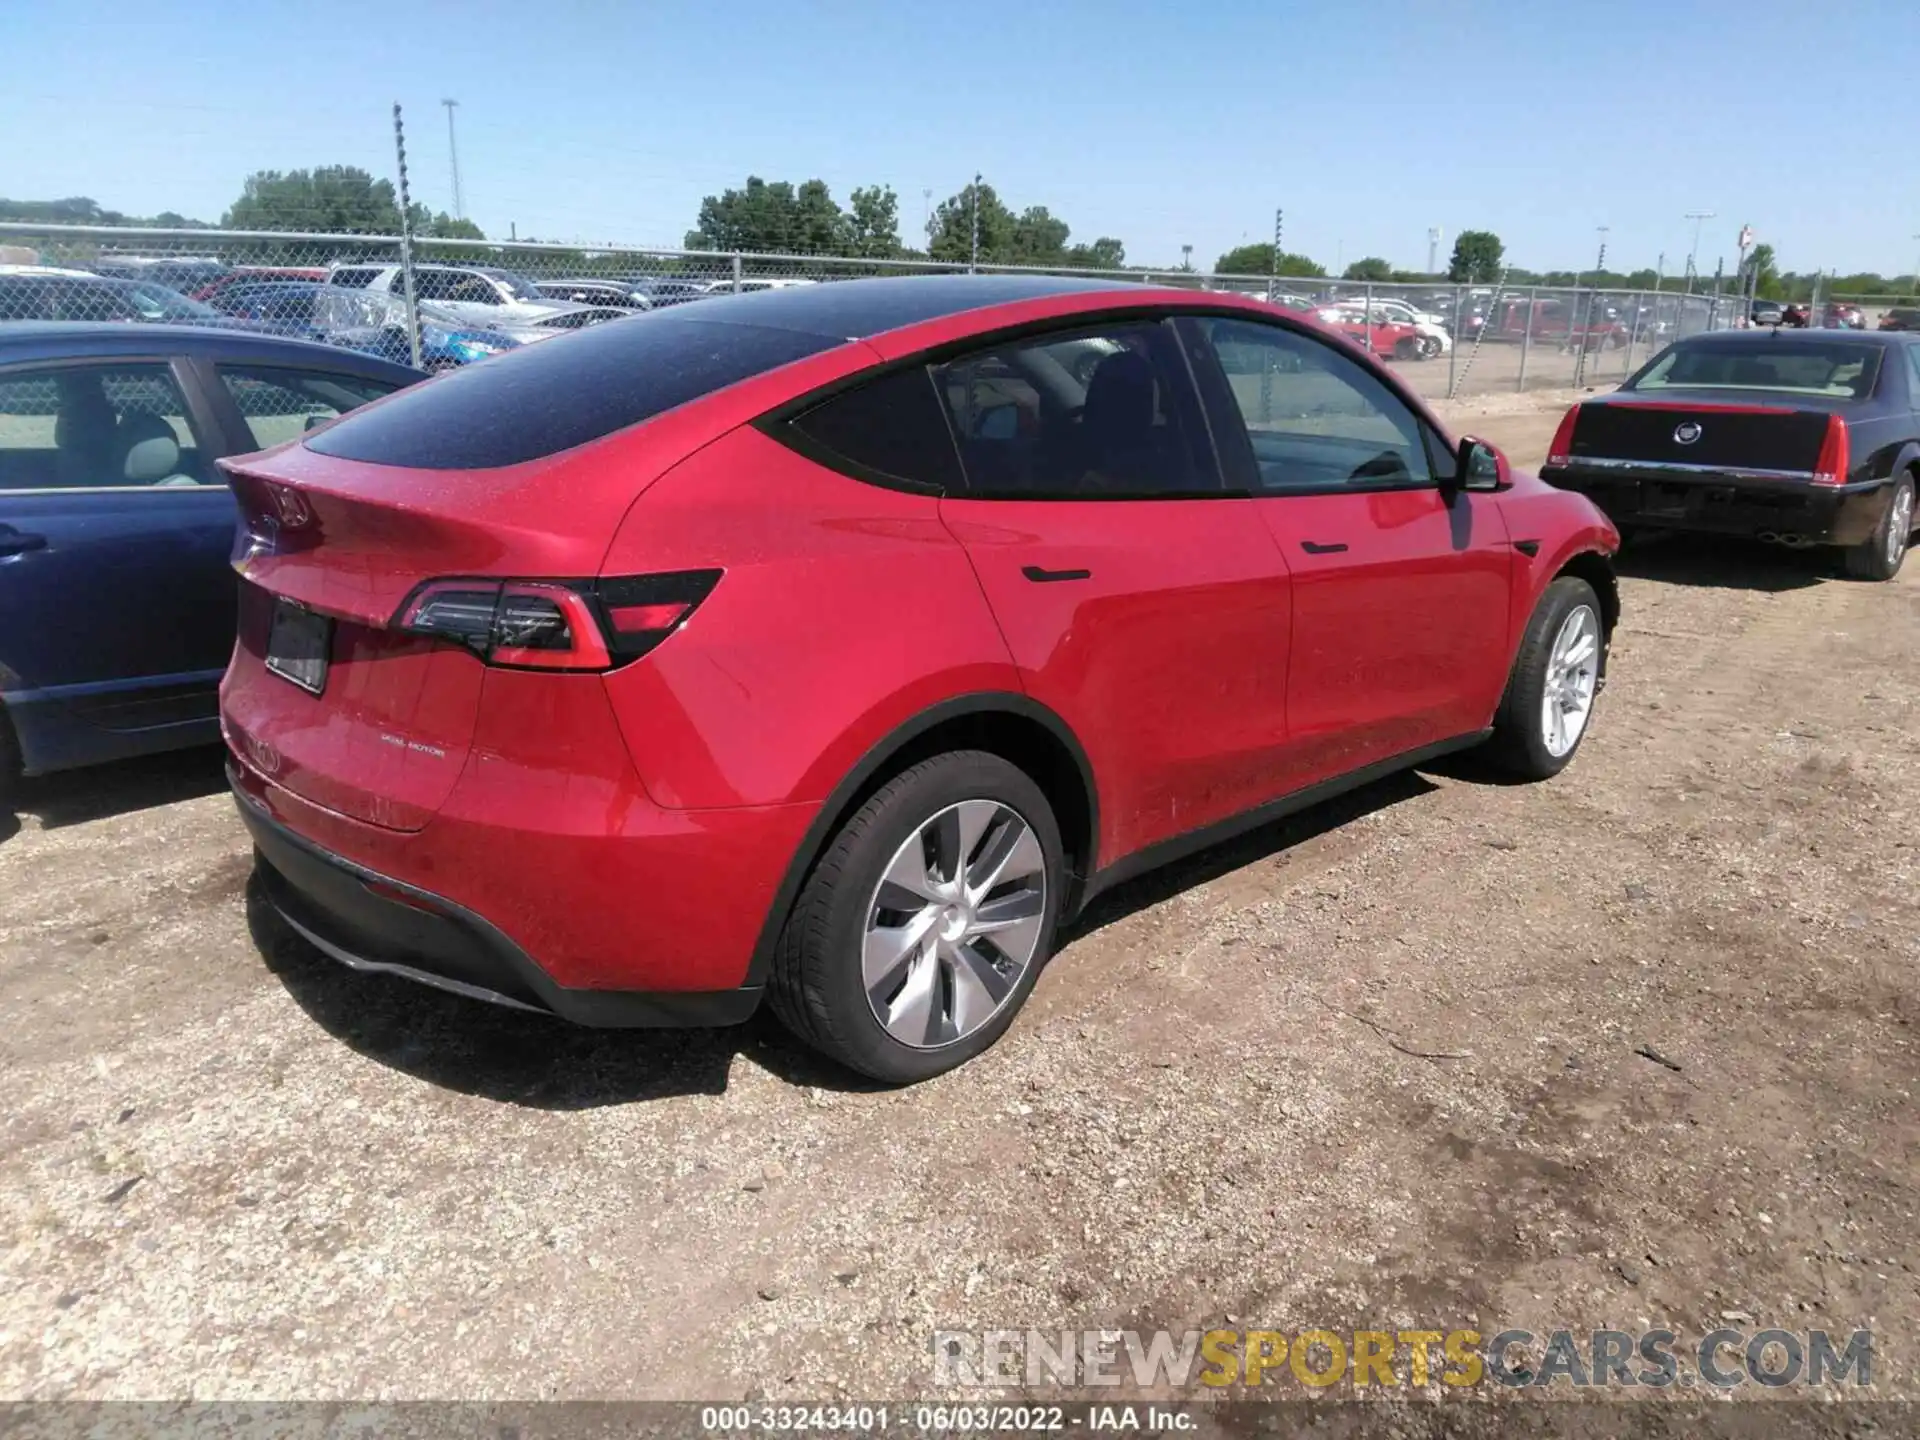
point(543, 399)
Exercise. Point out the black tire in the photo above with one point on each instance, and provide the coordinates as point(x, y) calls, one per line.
point(1518, 744)
point(9, 762)
point(1408, 349)
point(816, 986)
point(1429, 347)
point(1880, 556)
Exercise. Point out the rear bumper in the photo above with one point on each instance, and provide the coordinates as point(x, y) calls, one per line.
point(1731, 505)
point(374, 923)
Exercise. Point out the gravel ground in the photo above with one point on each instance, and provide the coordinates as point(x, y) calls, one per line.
point(231, 1170)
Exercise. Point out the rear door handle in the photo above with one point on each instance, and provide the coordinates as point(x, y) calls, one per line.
point(1314, 547)
point(1042, 576)
point(18, 542)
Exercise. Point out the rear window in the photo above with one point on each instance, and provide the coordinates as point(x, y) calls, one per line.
point(1836, 369)
point(894, 428)
point(551, 397)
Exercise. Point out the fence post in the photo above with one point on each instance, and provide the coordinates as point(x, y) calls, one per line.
point(736, 272)
point(1526, 336)
point(1633, 331)
point(406, 241)
point(1453, 341)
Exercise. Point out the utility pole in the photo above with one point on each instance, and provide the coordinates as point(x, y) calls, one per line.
point(1693, 255)
point(973, 260)
point(926, 219)
point(1273, 280)
point(1593, 304)
point(406, 239)
point(1186, 257)
point(453, 157)
point(1434, 237)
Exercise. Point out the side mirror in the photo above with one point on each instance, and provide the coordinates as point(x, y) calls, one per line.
point(1481, 466)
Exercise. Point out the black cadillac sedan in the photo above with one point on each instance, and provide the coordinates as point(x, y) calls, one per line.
point(1798, 437)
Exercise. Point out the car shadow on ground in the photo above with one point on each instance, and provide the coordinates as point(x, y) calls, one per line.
point(73, 797)
point(1726, 563)
point(515, 1057)
point(1256, 845)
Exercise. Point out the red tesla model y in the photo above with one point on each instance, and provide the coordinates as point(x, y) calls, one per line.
point(832, 645)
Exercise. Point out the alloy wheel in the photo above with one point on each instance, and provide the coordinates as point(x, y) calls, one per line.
point(1573, 676)
point(954, 923)
point(1899, 525)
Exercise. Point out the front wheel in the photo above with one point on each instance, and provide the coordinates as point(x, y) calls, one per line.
point(1554, 683)
point(1881, 554)
point(1429, 346)
point(923, 927)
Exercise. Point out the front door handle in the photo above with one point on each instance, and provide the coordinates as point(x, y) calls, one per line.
point(18, 542)
point(1042, 576)
point(1315, 547)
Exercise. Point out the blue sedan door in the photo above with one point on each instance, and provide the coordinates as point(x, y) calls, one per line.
point(116, 595)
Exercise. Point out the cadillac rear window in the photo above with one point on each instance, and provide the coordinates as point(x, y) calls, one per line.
point(1838, 369)
point(559, 393)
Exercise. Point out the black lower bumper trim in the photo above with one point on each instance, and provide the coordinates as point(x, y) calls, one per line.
point(378, 925)
point(1797, 512)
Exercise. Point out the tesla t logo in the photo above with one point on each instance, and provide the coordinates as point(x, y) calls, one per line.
point(1686, 432)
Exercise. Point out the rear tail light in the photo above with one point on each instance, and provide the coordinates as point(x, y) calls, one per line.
point(1560, 452)
point(557, 624)
point(1835, 458)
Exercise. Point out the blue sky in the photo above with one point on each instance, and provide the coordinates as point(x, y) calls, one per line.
point(1164, 124)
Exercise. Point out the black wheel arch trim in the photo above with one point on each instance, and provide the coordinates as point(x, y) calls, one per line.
point(871, 765)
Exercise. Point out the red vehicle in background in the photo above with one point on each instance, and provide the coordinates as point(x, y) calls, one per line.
point(257, 274)
point(1388, 339)
point(1558, 322)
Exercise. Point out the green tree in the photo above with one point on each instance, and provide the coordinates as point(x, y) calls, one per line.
point(1106, 253)
point(873, 222)
point(1765, 270)
point(774, 217)
point(1476, 258)
point(1258, 260)
point(444, 226)
point(1039, 237)
point(337, 198)
point(953, 226)
point(1370, 268)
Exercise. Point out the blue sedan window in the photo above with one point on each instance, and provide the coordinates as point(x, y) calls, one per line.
point(95, 427)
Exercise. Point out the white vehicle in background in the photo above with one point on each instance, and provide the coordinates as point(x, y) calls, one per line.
point(479, 295)
point(1435, 339)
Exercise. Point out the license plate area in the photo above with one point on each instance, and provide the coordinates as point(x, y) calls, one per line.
point(299, 643)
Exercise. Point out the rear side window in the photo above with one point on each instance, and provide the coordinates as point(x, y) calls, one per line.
point(891, 430)
point(280, 405)
point(353, 278)
point(561, 393)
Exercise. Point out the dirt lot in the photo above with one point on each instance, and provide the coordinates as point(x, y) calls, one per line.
point(230, 1169)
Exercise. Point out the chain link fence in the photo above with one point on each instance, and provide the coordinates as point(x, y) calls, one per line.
point(469, 299)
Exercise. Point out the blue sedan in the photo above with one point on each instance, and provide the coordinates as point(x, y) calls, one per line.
point(117, 595)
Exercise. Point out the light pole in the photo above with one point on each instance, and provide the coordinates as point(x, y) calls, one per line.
point(453, 157)
point(1693, 255)
point(926, 220)
point(1916, 269)
point(1186, 257)
point(1433, 250)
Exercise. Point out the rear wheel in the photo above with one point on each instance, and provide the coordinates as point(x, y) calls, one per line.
point(9, 761)
point(1554, 684)
point(1881, 554)
point(1408, 349)
point(924, 925)
point(1429, 346)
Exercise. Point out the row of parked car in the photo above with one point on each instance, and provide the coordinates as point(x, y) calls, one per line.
point(467, 312)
